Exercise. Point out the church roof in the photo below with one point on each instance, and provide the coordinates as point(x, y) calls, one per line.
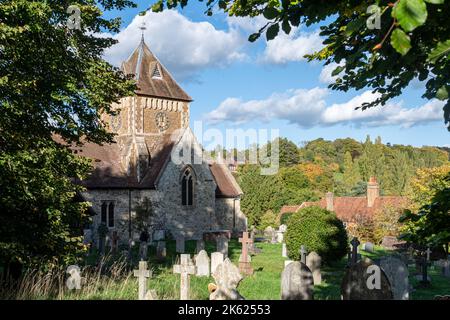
point(152, 77)
point(226, 184)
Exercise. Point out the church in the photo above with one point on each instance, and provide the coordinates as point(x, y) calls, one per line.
point(156, 159)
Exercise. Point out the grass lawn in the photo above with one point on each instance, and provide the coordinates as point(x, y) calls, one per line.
point(118, 282)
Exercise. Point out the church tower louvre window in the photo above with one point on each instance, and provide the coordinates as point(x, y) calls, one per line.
point(156, 73)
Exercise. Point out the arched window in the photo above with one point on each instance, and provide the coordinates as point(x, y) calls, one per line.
point(104, 212)
point(111, 215)
point(107, 214)
point(187, 188)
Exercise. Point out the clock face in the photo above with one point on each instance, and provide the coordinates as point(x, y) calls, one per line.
point(162, 121)
point(116, 123)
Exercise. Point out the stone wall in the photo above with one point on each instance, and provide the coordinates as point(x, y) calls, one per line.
point(229, 214)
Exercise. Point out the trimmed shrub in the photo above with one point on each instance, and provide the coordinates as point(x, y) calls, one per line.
point(318, 230)
point(285, 217)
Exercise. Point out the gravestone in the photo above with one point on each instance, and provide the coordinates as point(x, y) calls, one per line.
point(180, 244)
point(161, 250)
point(142, 274)
point(280, 233)
point(143, 250)
point(185, 269)
point(244, 262)
point(222, 245)
point(286, 262)
point(303, 254)
point(314, 263)
point(158, 235)
point(227, 278)
point(425, 280)
point(200, 245)
point(365, 281)
point(216, 259)
point(444, 264)
point(296, 282)
point(284, 251)
point(368, 247)
point(397, 274)
point(202, 264)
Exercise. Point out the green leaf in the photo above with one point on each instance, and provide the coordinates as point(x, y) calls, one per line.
point(222, 4)
point(253, 37)
point(338, 70)
point(410, 13)
point(442, 49)
point(286, 26)
point(272, 31)
point(400, 41)
point(442, 93)
point(270, 13)
point(435, 1)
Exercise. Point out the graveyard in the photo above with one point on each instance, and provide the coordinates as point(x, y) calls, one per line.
point(118, 282)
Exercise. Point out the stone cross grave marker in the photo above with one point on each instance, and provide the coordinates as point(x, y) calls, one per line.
point(397, 273)
point(180, 244)
point(202, 264)
point(216, 259)
point(355, 243)
point(161, 250)
point(244, 263)
point(364, 280)
point(185, 269)
point(428, 252)
point(222, 245)
point(314, 262)
point(296, 282)
point(303, 254)
point(142, 274)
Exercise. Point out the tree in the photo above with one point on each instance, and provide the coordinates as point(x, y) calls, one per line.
point(351, 173)
point(427, 221)
point(411, 41)
point(288, 153)
point(54, 87)
point(269, 219)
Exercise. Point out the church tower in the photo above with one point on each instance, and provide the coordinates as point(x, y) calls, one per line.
point(159, 108)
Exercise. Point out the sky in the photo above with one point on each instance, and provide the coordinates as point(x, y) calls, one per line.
point(268, 86)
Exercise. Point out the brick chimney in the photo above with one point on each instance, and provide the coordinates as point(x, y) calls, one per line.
point(330, 201)
point(373, 191)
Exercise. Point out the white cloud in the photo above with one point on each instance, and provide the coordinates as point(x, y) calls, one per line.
point(293, 47)
point(185, 47)
point(308, 108)
point(325, 75)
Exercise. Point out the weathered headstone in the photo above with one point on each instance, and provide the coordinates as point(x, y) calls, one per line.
point(368, 247)
point(158, 235)
point(282, 228)
point(227, 278)
point(200, 245)
point(444, 264)
point(222, 245)
point(286, 262)
point(216, 259)
point(202, 263)
point(143, 250)
point(314, 263)
point(161, 250)
point(296, 282)
point(185, 269)
point(244, 263)
point(397, 274)
point(114, 242)
point(364, 280)
point(142, 274)
point(303, 254)
point(180, 244)
point(284, 251)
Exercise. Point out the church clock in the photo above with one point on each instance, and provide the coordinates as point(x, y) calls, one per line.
point(162, 121)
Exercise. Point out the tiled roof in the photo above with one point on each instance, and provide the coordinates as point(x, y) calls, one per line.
point(349, 209)
point(226, 184)
point(152, 77)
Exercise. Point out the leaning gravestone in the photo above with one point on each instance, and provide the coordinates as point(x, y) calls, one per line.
point(216, 259)
point(180, 244)
point(364, 280)
point(296, 282)
point(202, 264)
point(314, 262)
point(227, 278)
point(397, 274)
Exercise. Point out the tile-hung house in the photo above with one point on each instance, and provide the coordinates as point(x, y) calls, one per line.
point(188, 197)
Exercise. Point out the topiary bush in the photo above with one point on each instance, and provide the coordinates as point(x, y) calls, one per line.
point(318, 230)
point(285, 217)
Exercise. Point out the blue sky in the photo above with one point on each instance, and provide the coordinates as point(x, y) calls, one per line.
point(237, 84)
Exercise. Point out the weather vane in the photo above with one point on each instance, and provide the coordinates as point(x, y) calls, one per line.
point(143, 28)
